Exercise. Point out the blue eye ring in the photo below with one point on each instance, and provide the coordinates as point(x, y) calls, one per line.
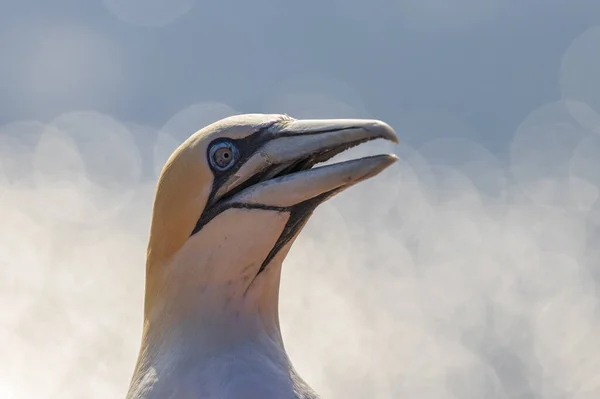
point(223, 155)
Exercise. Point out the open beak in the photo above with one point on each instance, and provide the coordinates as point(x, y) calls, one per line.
point(281, 174)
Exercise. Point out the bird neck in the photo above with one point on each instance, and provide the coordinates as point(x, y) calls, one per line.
point(198, 350)
point(213, 336)
point(218, 315)
point(210, 289)
point(214, 318)
point(208, 302)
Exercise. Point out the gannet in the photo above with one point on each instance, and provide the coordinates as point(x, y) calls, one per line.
point(229, 203)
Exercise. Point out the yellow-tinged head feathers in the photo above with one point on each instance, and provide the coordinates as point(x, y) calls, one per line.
point(186, 181)
point(257, 165)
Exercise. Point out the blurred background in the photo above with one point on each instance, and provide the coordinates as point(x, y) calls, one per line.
point(470, 269)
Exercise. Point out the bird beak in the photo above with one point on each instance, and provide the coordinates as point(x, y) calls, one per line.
point(281, 170)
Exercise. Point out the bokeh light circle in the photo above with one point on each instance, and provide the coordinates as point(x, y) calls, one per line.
point(580, 71)
point(86, 167)
point(541, 151)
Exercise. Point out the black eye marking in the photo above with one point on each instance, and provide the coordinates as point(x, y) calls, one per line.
point(223, 155)
point(244, 149)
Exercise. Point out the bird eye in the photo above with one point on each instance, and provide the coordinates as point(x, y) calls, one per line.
point(223, 155)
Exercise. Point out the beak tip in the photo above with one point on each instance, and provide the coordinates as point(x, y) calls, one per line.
point(385, 131)
point(389, 160)
point(372, 166)
point(393, 158)
point(380, 162)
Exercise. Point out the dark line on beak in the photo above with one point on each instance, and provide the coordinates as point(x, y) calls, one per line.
point(313, 132)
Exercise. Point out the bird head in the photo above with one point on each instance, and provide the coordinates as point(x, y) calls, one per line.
point(231, 200)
